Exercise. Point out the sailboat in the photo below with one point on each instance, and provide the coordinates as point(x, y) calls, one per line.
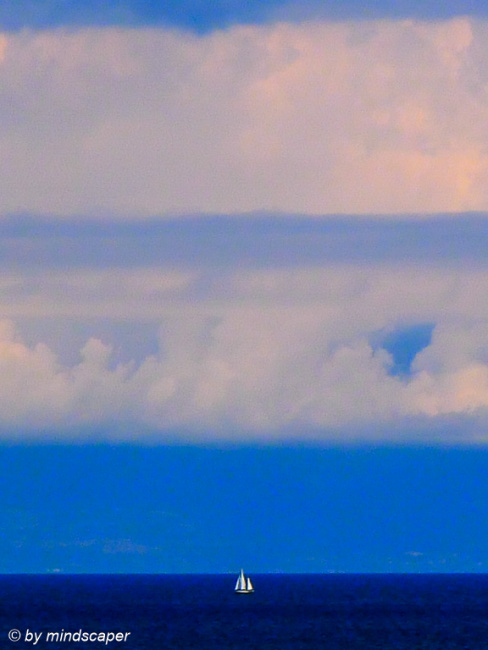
point(243, 584)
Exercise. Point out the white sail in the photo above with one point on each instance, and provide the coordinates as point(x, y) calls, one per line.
point(243, 584)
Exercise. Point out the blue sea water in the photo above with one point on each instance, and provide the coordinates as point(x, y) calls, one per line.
point(334, 612)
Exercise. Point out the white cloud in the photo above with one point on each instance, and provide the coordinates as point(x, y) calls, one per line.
point(86, 293)
point(260, 354)
point(379, 117)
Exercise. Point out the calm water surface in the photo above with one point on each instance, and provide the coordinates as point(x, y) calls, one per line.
point(286, 611)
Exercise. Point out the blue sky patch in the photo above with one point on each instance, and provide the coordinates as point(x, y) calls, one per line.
point(203, 16)
point(405, 343)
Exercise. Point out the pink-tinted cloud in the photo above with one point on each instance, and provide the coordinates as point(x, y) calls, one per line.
point(366, 117)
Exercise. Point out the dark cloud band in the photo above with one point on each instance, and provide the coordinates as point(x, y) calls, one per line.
point(263, 241)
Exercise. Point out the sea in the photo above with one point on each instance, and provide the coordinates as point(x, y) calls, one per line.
point(202, 612)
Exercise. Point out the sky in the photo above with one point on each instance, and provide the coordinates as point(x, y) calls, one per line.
point(242, 279)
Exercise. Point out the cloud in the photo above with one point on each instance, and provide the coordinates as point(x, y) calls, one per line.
point(264, 354)
point(351, 117)
point(90, 293)
point(251, 241)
